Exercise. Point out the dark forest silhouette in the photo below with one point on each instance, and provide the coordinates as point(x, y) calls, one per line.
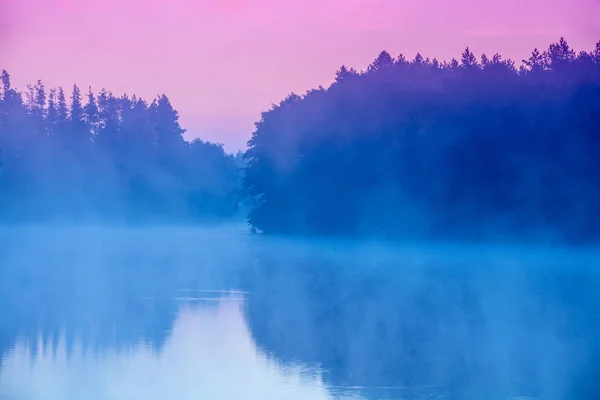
point(472, 148)
point(106, 159)
point(475, 148)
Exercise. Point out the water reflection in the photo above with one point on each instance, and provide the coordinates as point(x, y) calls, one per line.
point(176, 314)
point(208, 354)
point(499, 323)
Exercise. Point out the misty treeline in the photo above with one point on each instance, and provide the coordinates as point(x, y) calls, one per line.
point(475, 148)
point(98, 157)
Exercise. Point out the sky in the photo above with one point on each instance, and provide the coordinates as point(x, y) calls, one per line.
point(223, 62)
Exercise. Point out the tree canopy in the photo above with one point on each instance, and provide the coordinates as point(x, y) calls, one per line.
point(473, 148)
point(106, 158)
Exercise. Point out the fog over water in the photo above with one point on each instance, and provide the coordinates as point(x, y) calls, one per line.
point(182, 313)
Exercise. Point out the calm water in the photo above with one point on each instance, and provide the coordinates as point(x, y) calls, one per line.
point(190, 314)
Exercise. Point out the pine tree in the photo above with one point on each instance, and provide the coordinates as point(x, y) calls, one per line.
point(78, 134)
point(468, 60)
point(4, 106)
point(6, 89)
point(418, 61)
point(453, 65)
point(13, 115)
point(76, 106)
point(62, 117)
point(484, 60)
point(4, 100)
point(52, 114)
point(167, 131)
point(344, 73)
point(144, 136)
point(90, 113)
point(39, 109)
point(401, 61)
point(30, 99)
point(383, 60)
point(40, 95)
point(109, 122)
point(560, 55)
point(62, 109)
point(537, 62)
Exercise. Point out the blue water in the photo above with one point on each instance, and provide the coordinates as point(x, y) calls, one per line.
point(182, 313)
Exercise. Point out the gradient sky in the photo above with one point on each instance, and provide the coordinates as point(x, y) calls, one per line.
point(222, 62)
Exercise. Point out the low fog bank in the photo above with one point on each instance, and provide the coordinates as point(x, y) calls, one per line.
point(488, 321)
point(472, 322)
point(111, 287)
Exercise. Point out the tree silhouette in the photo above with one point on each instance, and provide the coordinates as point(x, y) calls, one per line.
point(470, 149)
point(108, 159)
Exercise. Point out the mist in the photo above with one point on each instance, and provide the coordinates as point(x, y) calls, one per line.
point(183, 312)
point(417, 229)
point(110, 159)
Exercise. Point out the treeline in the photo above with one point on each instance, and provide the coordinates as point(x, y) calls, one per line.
point(106, 158)
point(475, 148)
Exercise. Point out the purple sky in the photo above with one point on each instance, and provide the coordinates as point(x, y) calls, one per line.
point(222, 62)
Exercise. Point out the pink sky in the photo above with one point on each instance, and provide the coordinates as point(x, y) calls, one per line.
point(222, 62)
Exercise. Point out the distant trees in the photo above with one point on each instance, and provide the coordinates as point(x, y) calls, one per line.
point(107, 158)
point(476, 148)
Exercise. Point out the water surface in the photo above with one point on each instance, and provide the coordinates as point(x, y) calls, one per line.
point(184, 313)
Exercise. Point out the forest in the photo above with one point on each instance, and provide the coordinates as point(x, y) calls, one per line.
point(106, 159)
point(477, 148)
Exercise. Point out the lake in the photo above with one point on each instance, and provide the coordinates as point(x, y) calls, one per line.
point(185, 313)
